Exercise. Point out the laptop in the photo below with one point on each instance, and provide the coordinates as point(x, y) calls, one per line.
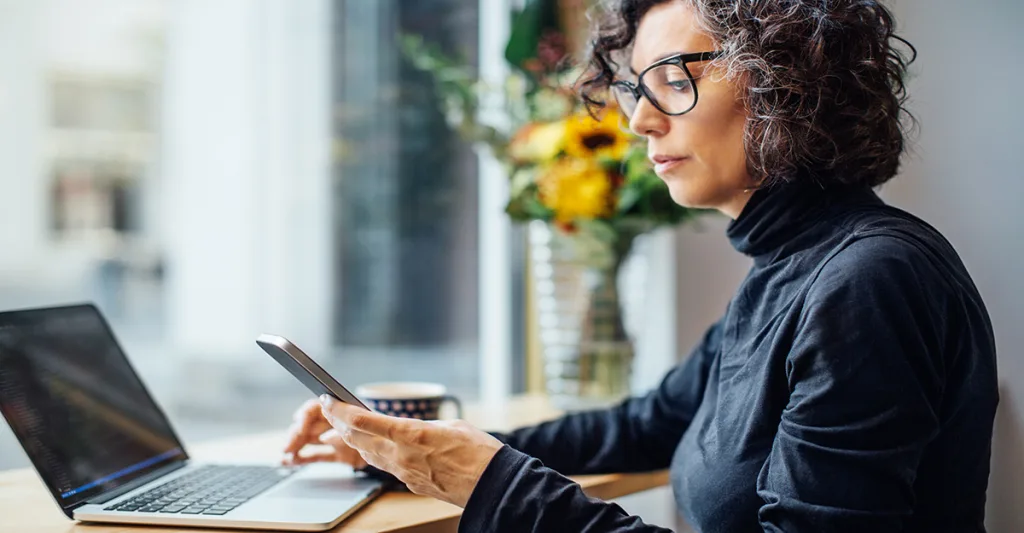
point(107, 452)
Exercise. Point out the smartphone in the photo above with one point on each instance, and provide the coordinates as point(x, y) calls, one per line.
point(305, 369)
point(317, 380)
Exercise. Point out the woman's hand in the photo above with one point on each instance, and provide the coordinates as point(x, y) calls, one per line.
point(441, 459)
point(311, 428)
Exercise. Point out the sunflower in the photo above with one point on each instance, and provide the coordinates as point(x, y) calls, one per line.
point(575, 188)
point(590, 138)
point(538, 142)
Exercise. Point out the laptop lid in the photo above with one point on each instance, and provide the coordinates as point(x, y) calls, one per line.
point(76, 405)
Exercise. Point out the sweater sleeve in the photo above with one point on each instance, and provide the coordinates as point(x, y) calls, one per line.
point(641, 434)
point(517, 493)
point(865, 376)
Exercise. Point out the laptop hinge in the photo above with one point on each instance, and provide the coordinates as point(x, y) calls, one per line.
point(106, 496)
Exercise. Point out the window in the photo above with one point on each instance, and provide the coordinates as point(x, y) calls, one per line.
point(209, 172)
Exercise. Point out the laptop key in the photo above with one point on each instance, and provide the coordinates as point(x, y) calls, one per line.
point(210, 490)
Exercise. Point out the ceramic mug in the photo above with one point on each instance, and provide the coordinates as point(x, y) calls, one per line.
point(408, 399)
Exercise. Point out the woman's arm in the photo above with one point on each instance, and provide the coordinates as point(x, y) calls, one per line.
point(500, 488)
point(641, 434)
point(517, 493)
point(523, 489)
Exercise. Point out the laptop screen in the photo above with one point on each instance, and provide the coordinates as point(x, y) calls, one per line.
point(73, 401)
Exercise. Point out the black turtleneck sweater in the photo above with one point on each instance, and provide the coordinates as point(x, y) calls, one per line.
point(850, 386)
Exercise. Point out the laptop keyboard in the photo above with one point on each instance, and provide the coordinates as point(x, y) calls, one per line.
point(208, 490)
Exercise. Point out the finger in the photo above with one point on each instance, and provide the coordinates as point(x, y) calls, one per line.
point(367, 442)
point(307, 412)
point(347, 456)
point(308, 421)
point(379, 462)
point(316, 457)
point(357, 462)
point(299, 436)
point(296, 440)
point(332, 437)
point(345, 453)
point(341, 414)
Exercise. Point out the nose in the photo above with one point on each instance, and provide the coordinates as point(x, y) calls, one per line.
point(647, 121)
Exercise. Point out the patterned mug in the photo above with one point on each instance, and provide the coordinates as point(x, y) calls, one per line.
point(407, 399)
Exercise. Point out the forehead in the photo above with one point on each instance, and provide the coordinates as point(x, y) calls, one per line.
point(666, 29)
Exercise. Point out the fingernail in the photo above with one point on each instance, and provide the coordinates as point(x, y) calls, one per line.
point(288, 458)
point(325, 399)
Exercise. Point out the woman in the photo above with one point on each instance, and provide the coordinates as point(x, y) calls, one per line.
point(850, 384)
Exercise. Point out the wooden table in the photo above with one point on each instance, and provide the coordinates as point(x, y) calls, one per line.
point(27, 507)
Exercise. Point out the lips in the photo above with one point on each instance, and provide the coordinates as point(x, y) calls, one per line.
point(664, 163)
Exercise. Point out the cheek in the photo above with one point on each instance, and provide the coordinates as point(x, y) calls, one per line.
point(713, 137)
point(719, 166)
point(721, 146)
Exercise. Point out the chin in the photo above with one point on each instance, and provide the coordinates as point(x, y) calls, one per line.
point(684, 195)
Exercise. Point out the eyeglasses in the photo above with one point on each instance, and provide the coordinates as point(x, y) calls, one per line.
point(667, 84)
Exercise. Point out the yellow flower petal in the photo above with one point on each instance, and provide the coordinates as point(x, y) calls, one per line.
point(587, 137)
point(538, 142)
point(576, 188)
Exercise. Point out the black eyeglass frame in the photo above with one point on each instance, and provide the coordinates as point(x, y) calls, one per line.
point(679, 60)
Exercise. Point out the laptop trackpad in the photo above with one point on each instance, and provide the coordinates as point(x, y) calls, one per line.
point(324, 481)
point(323, 488)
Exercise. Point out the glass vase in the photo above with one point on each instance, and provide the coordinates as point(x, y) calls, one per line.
point(587, 352)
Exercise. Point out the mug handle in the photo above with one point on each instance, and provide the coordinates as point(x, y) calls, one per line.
point(458, 404)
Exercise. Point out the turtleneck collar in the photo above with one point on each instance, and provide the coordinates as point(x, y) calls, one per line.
point(774, 215)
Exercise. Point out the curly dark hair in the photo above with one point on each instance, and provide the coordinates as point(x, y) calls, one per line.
point(823, 82)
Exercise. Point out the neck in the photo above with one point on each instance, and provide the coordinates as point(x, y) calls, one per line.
point(735, 205)
point(772, 215)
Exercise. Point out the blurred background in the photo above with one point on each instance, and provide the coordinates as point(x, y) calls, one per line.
point(206, 171)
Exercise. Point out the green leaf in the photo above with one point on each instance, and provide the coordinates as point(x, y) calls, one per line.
point(526, 206)
point(535, 209)
point(528, 25)
point(629, 195)
point(608, 163)
point(521, 181)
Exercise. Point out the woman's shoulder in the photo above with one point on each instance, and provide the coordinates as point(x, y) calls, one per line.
point(895, 275)
point(884, 248)
point(876, 231)
point(867, 216)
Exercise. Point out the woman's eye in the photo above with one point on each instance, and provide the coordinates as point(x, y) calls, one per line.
point(679, 85)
